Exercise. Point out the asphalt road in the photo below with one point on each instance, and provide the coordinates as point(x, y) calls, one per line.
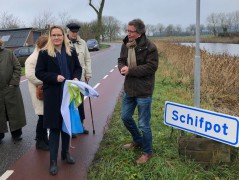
point(103, 62)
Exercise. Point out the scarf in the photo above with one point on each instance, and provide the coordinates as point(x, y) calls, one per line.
point(63, 65)
point(62, 60)
point(74, 41)
point(131, 54)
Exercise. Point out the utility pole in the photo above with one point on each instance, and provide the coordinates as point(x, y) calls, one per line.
point(197, 61)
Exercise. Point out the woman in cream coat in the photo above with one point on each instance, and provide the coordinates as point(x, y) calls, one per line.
point(30, 65)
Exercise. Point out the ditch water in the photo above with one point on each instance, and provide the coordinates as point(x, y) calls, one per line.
point(218, 48)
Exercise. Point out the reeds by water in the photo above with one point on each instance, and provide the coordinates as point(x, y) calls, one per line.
point(219, 75)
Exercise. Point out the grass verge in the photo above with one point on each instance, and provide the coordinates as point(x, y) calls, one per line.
point(104, 46)
point(113, 162)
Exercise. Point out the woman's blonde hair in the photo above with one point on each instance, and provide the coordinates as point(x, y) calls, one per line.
point(50, 46)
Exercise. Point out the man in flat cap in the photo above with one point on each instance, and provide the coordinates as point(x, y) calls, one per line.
point(84, 59)
point(73, 27)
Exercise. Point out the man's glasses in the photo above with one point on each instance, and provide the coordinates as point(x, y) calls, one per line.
point(56, 35)
point(129, 31)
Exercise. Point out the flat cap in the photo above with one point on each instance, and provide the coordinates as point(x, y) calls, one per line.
point(74, 27)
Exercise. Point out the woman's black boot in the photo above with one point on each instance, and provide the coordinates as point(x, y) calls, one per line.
point(53, 168)
point(68, 158)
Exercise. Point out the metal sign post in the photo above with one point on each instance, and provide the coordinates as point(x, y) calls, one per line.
point(197, 61)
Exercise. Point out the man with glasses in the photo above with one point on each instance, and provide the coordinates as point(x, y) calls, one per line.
point(138, 62)
point(84, 59)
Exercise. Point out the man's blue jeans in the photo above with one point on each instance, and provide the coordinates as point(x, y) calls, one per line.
point(144, 115)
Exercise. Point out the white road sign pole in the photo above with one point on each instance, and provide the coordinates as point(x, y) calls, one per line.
point(197, 68)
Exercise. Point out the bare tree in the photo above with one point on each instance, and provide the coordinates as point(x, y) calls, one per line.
point(153, 29)
point(124, 27)
point(230, 17)
point(9, 21)
point(160, 28)
point(110, 28)
point(43, 20)
point(178, 29)
point(213, 23)
point(192, 29)
point(99, 12)
point(235, 21)
point(169, 30)
point(150, 29)
point(64, 18)
point(223, 21)
point(87, 30)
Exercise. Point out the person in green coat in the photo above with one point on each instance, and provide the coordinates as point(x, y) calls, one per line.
point(12, 111)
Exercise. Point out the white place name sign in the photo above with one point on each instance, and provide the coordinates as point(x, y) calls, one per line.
point(213, 125)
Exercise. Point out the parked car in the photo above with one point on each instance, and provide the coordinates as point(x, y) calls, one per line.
point(93, 45)
point(22, 53)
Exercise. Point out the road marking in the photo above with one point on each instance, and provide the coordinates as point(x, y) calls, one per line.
point(116, 66)
point(96, 85)
point(111, 70)
point(6, 174)
point(105, 77)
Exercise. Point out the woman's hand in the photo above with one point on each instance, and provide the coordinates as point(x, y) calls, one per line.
point(60, 78)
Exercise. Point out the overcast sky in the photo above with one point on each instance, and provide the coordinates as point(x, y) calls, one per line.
point(182, 12)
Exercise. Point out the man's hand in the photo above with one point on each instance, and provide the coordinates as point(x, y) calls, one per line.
point(87, 79)
point(124, 70)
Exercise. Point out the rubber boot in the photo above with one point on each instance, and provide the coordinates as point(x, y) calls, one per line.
point(67, 158)
point(53, 168)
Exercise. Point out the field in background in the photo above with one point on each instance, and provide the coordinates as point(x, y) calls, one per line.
point(234, 39)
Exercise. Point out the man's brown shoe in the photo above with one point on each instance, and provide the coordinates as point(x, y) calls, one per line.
point(131, 146)
point(144, 158)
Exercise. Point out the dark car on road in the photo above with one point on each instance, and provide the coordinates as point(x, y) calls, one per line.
point(22, 53)
point(93, 45)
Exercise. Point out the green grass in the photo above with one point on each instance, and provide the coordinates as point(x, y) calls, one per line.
point(114, 162)
point(104, 46)
point(23, 71)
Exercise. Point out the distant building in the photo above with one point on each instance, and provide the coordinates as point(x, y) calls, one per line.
point(19, 37)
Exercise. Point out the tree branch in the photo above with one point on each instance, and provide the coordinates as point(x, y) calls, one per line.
point(93, 7)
